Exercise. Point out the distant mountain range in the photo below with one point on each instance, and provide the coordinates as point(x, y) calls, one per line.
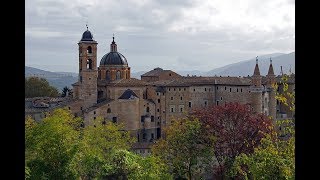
point(245, 68)
point(55, 79)
point(242, 68)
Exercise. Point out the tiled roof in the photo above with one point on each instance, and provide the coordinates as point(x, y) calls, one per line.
point(156, 72)
point(128, 82)
point(128, 94)
point(197, 80)
point(34, 104)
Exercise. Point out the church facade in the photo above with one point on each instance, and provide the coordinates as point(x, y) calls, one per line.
point(146, 106)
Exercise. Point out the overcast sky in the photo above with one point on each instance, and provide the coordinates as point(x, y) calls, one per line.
point(171, 34)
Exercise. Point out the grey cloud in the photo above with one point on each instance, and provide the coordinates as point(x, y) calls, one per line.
point(142, 35)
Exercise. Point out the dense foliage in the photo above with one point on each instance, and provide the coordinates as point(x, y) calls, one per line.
point(275, 157)
point(186, 148)
point(237, 130)
point(39, 87)
point(59, 147)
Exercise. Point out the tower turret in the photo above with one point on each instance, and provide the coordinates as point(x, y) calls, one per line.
point(271, 79)
point(256, 89)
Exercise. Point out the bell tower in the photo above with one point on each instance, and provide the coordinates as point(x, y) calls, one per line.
point(88, 72)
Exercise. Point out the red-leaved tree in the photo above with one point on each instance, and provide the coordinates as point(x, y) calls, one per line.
point(237, 130)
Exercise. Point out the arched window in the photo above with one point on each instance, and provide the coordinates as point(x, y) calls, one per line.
point(108, 110)
point(89, 64)
point(118, 75)
point(108, 75)
point(89, 50)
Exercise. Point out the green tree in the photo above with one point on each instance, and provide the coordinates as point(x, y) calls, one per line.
point(51, 145)
point(275, 157)
point(97, 143)
point(39, 87)
point(185, 148)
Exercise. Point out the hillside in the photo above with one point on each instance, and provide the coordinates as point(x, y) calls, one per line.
point(245, 68)
point(56, 79)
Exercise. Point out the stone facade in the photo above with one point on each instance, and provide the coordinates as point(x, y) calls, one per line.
point(148, 105)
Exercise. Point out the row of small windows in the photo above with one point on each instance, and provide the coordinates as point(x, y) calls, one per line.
point(174, 89)
point(173, 108)
point(158, 94)
point(205, 89)
point(230, 89)
point(108, 75)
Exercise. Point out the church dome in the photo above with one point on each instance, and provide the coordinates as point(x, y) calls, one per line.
point(113, 58)
point(87, 36)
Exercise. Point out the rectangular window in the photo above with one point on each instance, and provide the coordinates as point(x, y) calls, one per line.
point(181, 108)
point(217, 87)
point(241, 90)
point(152, 135)
point(172, 108)
point(158, 100)
point(217, 103)
point(158, 110)
point(190, 104)
point(114, 119)
point(205, 89)
point(152, 118)
point(142, 118)
point(230, 89)
point(171, 98)
point(181, 98)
